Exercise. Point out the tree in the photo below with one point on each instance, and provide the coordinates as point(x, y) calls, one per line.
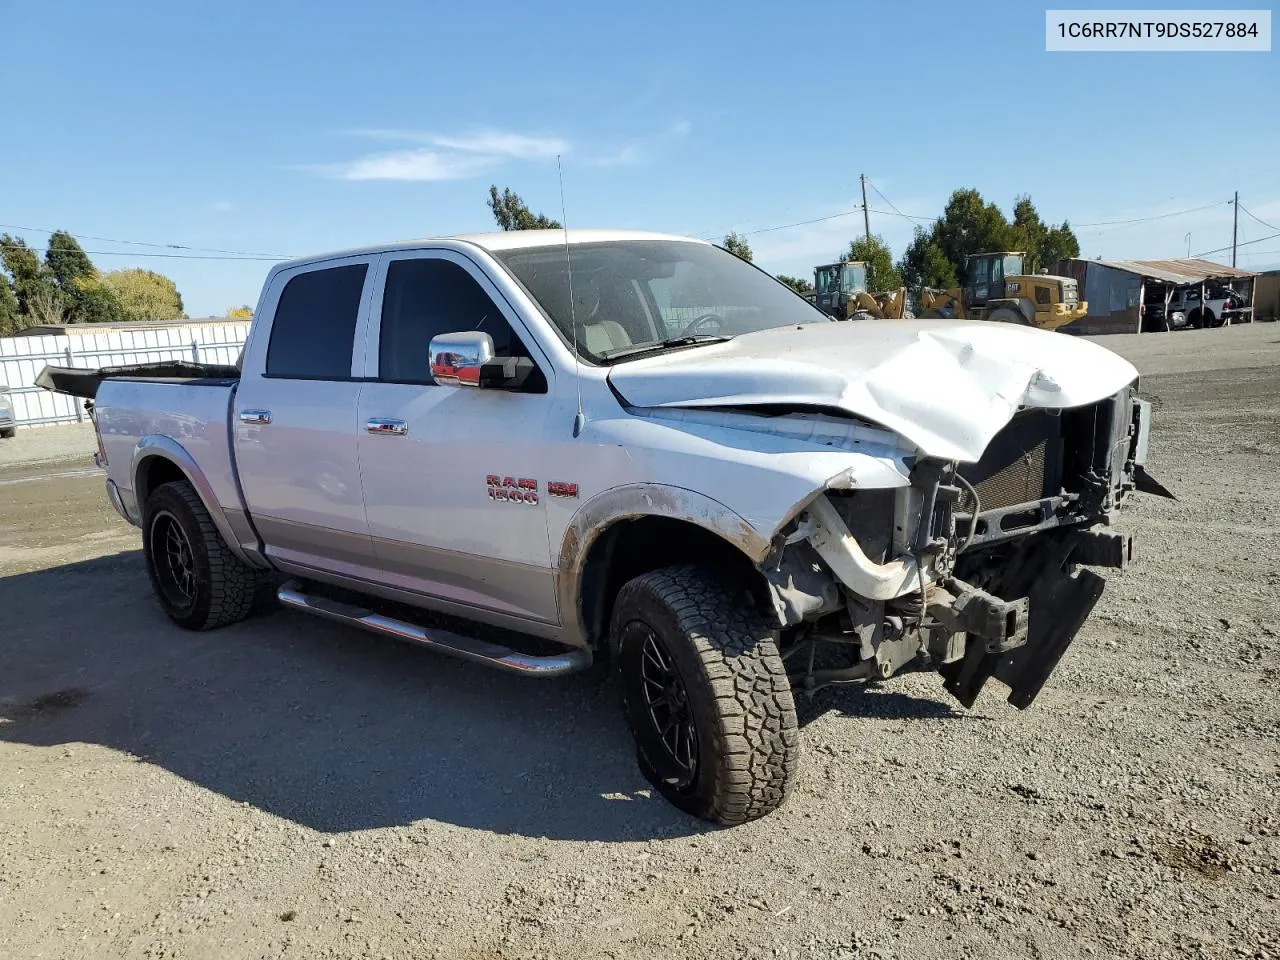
point(10, 320)
point(66, 261)
point(239, 313)
point(30, 277)
point(512, 213)
point(970, 225)
point(738, 246)
point(145, 295)
point(96, 301)
point(923, 264)
point(882, 275)
point(1059, 243)
point(1044, 246)
point(46, 308)
point(795, 283)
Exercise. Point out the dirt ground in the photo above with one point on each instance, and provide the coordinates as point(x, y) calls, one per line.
point(292, 788)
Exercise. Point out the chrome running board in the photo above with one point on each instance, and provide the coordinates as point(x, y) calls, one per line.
point(454, 644)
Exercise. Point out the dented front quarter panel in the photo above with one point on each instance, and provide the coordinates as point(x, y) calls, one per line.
point(763, 469)
point(740, 476)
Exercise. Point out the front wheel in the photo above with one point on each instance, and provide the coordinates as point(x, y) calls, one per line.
point(706, 695)
point(199, 582)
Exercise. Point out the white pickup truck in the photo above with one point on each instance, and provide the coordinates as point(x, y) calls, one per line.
point(539, 449)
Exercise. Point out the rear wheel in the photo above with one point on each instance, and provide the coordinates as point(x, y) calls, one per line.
point(199, 582)
point(8, 433)
point(706, 695)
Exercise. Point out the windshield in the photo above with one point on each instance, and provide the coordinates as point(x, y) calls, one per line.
point(1013, 265)
point(855, 278)
point(638, 296)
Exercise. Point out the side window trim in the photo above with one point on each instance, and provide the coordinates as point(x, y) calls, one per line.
point(369, 369)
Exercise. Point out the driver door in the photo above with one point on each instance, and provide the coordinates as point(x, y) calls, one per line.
point(428, 453)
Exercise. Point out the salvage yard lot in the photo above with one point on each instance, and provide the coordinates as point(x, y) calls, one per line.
point(290, 787)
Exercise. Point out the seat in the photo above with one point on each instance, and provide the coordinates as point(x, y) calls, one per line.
point(603, 336)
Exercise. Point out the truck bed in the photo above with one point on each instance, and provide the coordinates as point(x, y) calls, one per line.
point(191, 413)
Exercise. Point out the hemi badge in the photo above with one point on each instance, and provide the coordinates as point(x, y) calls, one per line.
point(558, 488)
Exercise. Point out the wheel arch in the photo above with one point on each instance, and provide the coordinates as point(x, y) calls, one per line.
point(158, 460)
point(631, 530)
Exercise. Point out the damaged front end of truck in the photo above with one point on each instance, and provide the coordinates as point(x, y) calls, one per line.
point(986, 567)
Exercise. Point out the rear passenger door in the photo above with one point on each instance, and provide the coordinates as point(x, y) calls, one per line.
point(440, 527)
point(295, 420)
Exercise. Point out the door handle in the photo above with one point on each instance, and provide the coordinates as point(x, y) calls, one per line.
point(382, 427)
point(255, 416)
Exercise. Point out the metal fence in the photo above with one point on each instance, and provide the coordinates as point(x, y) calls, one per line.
point(22, 358)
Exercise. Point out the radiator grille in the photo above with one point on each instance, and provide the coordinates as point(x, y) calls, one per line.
point(1020, 465)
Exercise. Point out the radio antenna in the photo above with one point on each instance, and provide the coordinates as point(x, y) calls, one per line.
point(580, 420)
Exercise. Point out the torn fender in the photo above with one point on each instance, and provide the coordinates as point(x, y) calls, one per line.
point(629, 502)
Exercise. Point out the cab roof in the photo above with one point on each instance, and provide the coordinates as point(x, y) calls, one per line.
point(495, 242)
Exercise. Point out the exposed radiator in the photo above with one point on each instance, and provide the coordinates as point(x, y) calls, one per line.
point(1023, 463)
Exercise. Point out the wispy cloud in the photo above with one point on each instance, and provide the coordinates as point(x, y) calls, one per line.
point(639, 150)
point(422, 164)
point(442, 156)
point(506, 144)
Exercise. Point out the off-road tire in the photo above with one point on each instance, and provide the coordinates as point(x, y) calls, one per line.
point(1008, 315)
point(224, 585)
point(738, 694)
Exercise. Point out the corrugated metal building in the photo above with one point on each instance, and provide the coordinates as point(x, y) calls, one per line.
point(1114, 288)
point(1266, 295)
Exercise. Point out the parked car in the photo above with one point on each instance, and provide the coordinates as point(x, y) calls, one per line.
point(764, 501)
point(8, 423)
point(1155, 318)
point(1221, 306)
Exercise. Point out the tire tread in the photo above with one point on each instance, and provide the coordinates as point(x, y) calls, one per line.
point(757, 737)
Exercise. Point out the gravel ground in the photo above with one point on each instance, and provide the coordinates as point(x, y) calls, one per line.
point(289, 787)
point(72, 441)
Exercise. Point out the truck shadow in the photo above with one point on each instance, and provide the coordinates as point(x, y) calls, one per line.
point(322, 724)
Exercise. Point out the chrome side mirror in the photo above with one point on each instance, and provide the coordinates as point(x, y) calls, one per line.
point(456, 358)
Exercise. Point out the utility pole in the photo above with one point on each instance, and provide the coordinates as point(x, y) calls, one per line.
point(866, 217)
point(1235, 224)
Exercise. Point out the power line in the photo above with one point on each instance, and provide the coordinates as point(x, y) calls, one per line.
point(1259, 219)
point(881, 195)
point(144, 243)
point(167, 256)
point(1158, 216)
point(1245, 244)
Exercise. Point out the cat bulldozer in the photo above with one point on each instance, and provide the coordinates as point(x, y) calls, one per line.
point(840, 291)
point(997, 288)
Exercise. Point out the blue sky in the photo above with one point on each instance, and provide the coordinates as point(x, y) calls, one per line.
point(290, 128)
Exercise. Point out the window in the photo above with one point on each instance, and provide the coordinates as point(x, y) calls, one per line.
point(425, 298)
point(315, 324)
point(630, 294)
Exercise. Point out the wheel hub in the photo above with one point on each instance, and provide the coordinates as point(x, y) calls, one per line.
point(667, 708)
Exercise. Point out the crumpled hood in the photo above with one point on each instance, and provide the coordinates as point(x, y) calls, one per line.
point(946, 386)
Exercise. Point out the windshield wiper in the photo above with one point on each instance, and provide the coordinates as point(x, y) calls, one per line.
point(693, 340)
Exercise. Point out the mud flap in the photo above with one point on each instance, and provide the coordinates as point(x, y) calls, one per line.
point(1059, 608)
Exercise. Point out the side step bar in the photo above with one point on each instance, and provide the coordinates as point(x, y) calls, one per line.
point(454, 644)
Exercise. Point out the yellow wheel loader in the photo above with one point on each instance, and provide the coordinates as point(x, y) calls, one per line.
point(996, 288)
point(840, 291)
